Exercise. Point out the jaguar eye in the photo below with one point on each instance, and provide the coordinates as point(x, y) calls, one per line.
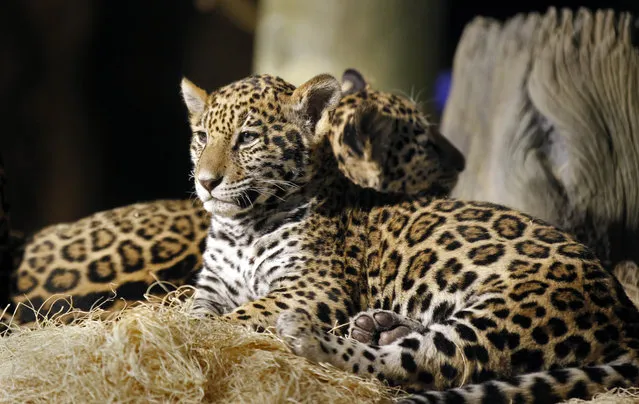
point(246, 137)
point(201, 136)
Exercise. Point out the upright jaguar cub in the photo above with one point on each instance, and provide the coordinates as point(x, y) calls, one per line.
point(442, 293)
point(111, 258)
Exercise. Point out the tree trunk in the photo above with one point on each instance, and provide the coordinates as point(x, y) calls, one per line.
point(393, 43)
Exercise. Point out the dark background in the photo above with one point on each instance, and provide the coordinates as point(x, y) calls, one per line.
point(89, 95)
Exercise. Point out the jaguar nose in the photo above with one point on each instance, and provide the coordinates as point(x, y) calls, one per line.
point(210, 183)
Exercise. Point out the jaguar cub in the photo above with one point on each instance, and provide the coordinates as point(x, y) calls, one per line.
point(111, 258)
point(439, 293)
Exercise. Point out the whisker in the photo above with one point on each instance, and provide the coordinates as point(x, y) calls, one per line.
point(240, 198)
point(279, 183)
point(284, 182)
point(193, 196)
point(279, 186)
point(247, 198)
point(267, 192)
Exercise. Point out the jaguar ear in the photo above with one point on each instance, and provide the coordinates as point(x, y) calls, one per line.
point(313, 98)
point(194, 97)
point(352, 82)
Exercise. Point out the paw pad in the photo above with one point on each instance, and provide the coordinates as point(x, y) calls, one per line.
point(382, 327)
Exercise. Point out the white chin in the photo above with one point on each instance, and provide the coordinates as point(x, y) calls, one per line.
point(218, 207)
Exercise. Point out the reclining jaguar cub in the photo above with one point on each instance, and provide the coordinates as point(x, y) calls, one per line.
point(440, 293)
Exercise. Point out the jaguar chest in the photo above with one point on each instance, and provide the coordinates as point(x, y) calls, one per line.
point(251, 265)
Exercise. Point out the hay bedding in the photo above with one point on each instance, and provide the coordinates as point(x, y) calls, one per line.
point(155, 353)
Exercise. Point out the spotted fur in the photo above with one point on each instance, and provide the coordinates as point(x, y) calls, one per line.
point(439, 293)
point(109, 259)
